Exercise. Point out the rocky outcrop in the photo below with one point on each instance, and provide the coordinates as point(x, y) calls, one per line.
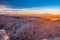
point(3, 35)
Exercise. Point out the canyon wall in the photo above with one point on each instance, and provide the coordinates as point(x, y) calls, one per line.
point(29, 27)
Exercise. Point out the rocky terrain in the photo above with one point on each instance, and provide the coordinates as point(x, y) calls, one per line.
point(30, 28)
point(3, 35)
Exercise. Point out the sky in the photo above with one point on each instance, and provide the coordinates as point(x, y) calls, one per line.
point(30, 6)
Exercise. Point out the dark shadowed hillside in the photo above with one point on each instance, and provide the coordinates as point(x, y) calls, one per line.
point(30, 28)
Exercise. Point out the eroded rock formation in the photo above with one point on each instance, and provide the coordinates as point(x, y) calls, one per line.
point(3, 35)
point(29, 28)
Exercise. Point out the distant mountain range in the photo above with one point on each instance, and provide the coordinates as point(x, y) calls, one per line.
point(52, 17)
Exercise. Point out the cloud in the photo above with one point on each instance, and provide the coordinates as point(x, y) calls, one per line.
point(8, 10)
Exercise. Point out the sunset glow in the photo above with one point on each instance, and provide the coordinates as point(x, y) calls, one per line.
point(48, 12)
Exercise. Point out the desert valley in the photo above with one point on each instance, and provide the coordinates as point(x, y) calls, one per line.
point(31, 27)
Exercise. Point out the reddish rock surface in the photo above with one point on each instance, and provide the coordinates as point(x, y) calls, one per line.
point(29, 28)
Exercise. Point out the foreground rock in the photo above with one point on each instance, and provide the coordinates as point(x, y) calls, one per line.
point(3, 35)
